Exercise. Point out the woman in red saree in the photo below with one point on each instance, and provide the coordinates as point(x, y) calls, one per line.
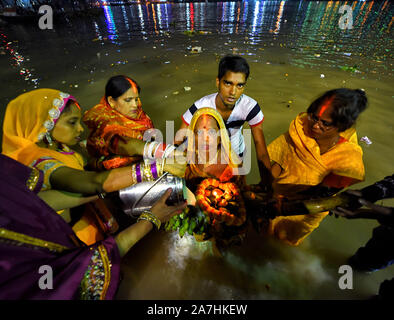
point(117, 126)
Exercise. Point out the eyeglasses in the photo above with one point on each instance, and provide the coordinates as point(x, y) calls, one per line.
point(324, 125)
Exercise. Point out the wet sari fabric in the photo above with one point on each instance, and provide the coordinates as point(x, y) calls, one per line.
point(302, 164)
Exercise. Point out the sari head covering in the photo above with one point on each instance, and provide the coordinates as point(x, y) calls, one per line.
point(302, 164)
point(227, 155)
point(107, 126)
point(28, 118)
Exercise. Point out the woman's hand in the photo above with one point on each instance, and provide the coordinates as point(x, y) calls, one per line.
point(165, 212)
point(131, 235)
point(175, 168)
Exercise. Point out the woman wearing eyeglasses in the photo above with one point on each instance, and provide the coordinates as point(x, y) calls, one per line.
point(319, 149)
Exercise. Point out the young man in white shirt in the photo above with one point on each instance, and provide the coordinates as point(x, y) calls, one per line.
point(235, 108)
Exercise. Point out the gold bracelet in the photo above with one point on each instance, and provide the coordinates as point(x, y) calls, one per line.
point(147, 173)
point(133, 173)
point(160, 166)
point(149, 216)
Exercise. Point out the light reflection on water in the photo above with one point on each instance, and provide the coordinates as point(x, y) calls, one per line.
point(306, 31)
point(300, 25)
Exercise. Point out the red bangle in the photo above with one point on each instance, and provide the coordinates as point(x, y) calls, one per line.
point(160, 151)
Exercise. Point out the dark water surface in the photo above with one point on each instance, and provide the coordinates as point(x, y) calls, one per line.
point(296, 51)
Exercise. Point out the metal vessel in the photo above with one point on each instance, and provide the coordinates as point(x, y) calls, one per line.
point(141, 196)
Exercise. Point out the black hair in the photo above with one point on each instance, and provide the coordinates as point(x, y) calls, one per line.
point(118, 85)
point(233, 63)
point(67, 108)
point(347, 105)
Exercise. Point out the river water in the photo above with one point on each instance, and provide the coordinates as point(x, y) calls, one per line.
point(296, 50)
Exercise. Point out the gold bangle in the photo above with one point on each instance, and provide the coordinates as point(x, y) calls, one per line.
point(31, 183)
point(160, 166)
point(147, 173)
point(133, 173)
point(149, 216)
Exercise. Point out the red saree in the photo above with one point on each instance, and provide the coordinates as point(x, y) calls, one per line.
point(107, 126)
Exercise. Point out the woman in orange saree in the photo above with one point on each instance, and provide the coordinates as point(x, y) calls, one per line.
point(117, 126)
point(320, 148)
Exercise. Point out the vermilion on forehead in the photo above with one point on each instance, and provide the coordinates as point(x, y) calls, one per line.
point(77, 104)
point(133, 85)
point(324, 107)
point(206, 121)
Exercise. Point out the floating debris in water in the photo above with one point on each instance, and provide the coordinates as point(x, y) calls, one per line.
point(196, 50)
point(322, 76)
point(189, 33)
point(317, 55)
point(351, 69)
point(167, 62)
point(347, 54)
point(187, 88)
point(366, 140)
point(175, 92)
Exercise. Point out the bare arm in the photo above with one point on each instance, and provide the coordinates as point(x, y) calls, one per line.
point(263, 159)
point(179, 140)
point(130, 236)
point(90, 182)
point(59, 200)
point(130, 147)
point(276, 170)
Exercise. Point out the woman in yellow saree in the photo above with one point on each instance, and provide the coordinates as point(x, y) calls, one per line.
point(320, 148)
point(39, 128)
point(209, 151)
point(212, 174)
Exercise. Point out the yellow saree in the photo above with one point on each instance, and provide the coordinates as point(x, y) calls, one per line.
point(302, 164)
point(227, 160)
point(28, 117)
